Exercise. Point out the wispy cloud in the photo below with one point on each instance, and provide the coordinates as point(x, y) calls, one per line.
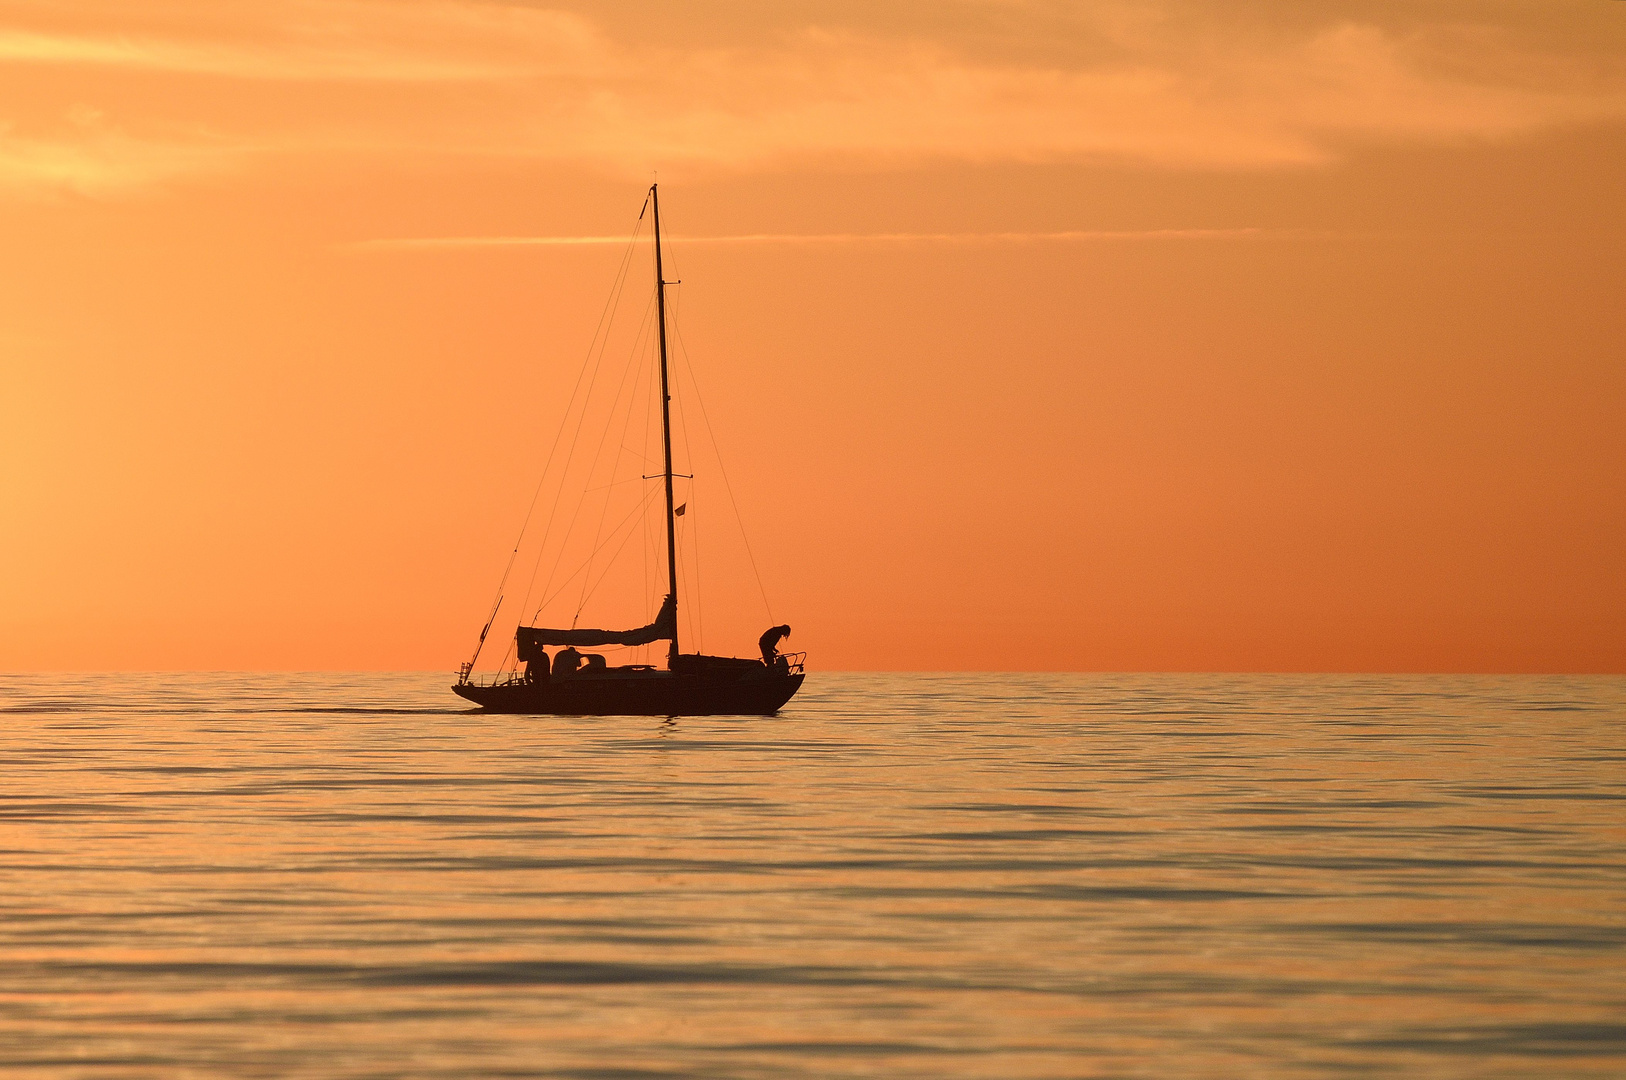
point(439, 243)
point(335, 40)
point(101, 163)
point(232, 61)
point(1143, 84)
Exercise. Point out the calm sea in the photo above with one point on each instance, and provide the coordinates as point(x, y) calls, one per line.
point(938, 876)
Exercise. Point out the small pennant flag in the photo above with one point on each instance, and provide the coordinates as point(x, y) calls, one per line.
point(679, 511)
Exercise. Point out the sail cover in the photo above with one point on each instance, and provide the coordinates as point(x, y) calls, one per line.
point(531, 638)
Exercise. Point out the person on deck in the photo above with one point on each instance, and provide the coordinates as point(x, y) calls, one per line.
point(566, 661)
point(769, 642)
point(536, 668)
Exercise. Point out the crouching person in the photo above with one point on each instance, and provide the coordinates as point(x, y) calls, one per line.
point(769, 642)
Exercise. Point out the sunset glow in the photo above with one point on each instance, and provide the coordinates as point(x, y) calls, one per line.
point(1110, 336)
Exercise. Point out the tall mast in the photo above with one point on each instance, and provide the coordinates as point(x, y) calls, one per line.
point(666, 425)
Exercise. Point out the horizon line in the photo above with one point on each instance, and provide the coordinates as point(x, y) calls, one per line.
point(1534, 673)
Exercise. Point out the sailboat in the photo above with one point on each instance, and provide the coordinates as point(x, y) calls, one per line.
point(691, 684)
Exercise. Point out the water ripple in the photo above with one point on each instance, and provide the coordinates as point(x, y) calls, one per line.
point(947, 876)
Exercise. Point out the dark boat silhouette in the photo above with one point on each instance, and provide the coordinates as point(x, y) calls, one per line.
point(692, 684)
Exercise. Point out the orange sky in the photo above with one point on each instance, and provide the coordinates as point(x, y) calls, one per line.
point(1152, 335)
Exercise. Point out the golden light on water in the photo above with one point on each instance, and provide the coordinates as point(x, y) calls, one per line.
point(1034, 876)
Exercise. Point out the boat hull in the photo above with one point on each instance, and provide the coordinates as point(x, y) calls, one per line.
point(657, 694)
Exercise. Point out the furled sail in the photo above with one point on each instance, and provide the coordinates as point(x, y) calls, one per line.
point(532, 638)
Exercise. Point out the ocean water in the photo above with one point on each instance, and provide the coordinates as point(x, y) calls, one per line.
point(1001, 876)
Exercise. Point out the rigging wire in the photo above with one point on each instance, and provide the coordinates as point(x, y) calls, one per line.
point(688, 449)
point(605, 315)
point(625, 540)
point(644, 546)
point(683, 350)
point(575, 514)
point(565, 584)
point(692, 519)
point(635, 362)
point(683, 572)
point(606, 320)
point(617, 483)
